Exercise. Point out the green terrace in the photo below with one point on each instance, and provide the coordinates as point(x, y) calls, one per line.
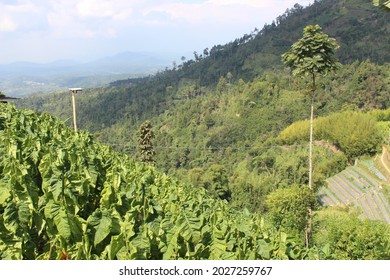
point(362, 186)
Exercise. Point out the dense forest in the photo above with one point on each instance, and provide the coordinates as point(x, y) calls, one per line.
point(230, 127)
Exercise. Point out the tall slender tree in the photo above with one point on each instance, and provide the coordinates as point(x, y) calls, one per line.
point(310, 56)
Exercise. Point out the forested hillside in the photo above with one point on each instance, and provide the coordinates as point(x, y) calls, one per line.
point(64, 196)
point(232, 125)
point(220, 137)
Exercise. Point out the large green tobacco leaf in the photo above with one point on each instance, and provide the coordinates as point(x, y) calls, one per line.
point(170, 245)
point(5, 194)
point(102, 225)
point(191, 225)
point(10, 249)
point(17, 216)
point(64, 224)
point(116, 244)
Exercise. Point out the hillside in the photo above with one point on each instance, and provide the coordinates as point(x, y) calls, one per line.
point(230, 130)
point(217, 118)
point(64, 196)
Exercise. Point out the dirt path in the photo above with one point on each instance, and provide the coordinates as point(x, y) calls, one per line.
point(384, 152)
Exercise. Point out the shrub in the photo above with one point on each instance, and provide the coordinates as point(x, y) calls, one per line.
point(353, 133)
point(350, 238)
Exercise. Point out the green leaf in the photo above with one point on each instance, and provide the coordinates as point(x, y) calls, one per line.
point(191, 225)
point(383, 4)
point(171, 246)
point(264, 249)
point(116, 244)
point(283, 237)
point(16, 217)
point(10, 249)
point(5, 194)
point(107, 196)
point(141, 245)
point(102, 230)
point(102, 224)
point(68, 226)
point(62, 222)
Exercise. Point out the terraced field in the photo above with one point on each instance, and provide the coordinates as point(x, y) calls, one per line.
point(359, 185)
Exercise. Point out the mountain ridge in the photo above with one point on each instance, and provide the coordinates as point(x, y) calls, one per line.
point(17, 78)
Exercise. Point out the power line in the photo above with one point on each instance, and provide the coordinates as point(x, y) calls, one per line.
point(208, 148)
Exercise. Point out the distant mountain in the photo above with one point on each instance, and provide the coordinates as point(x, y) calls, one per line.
point(23, 78)
point(29, 68)
point(126, 62)
point(122, 63)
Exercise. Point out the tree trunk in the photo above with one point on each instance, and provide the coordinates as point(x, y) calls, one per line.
point(311, 135)
point(308, 228)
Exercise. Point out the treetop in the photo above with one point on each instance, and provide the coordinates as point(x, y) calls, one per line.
point(312, 54)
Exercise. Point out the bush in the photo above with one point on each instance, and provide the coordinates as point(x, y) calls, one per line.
point(353, 133)
point(289, 207)
point(350, 238)
point(297, 132)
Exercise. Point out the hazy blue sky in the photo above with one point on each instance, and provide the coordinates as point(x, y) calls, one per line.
point(48, 30)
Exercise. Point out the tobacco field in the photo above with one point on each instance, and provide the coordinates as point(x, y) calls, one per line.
point(64, 196)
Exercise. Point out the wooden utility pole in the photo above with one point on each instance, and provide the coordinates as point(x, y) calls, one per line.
point(74, 91)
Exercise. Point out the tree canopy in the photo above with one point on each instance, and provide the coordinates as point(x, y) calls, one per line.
point(312, 54)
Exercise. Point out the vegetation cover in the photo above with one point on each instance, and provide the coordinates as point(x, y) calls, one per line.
point(354, 133)
point(232, 126)
point(63, 196)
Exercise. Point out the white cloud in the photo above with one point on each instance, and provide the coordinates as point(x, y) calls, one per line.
point(18, 16)
point(61, 18)
point(94, 8)
point(249, 3)
point(116, 10)
point(88, 18)
point(22, 7)
point(258, 3)
point(7, 24)
point(117, 25)
point(194, 13)
point(232, 12)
